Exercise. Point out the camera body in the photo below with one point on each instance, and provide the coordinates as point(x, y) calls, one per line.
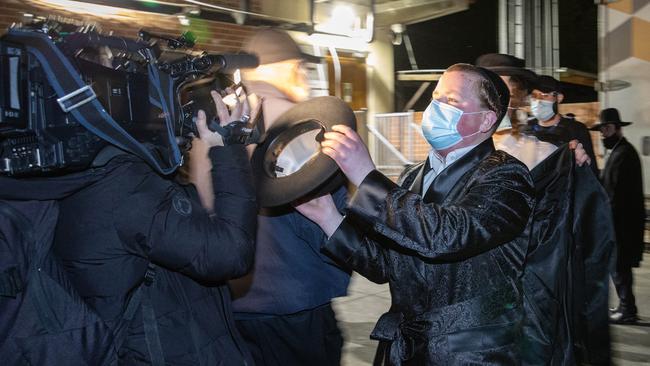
point(129, 93)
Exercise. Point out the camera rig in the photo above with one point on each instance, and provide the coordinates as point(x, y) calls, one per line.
point(65, 95)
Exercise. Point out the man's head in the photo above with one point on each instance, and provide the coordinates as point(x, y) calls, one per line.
point(610, 127)
point(281, 63)
point(544, 99)
point(467, 105)
point(518, 79)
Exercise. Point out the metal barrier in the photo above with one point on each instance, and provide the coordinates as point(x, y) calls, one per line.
point(395, 141)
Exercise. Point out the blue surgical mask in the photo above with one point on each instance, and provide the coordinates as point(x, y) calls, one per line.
point(542, 109)
point(440, 125)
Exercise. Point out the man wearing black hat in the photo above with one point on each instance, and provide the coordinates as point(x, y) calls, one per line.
point(549, 125)
point(444, 239)
point(509, 137)
point(622, 179)
point(553, 281)
point(283, 307)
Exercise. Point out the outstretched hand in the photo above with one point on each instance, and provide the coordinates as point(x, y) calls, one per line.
point(322, 211)
point(581, 155)
point(349, 152)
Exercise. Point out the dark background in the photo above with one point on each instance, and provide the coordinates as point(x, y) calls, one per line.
point(462, 37)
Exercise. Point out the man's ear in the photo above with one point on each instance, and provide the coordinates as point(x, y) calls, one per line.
point(488, 122)
point(560, 98)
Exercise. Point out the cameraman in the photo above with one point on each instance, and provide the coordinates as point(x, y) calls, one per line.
point(132, 221)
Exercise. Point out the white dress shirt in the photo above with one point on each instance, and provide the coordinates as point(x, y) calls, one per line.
point(438, 164)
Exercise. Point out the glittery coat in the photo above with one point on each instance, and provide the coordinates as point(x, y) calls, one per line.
point(450, 258)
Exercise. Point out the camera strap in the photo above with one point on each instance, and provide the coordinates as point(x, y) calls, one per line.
point(77, 98)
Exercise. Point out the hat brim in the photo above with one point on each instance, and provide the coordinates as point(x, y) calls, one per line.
point(597, 126)
point(318, 176)
point(513, 71)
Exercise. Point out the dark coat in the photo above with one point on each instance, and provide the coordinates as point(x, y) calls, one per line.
point(109, 232)
point(290, 273)
point(565, 131)
point(450, 259)
point(567, 266)
point(622, 179)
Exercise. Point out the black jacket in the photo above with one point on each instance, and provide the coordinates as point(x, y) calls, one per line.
point(110, 231)
point(453, 268)
point(622, 179)
point(565, 131)
point(567, 266)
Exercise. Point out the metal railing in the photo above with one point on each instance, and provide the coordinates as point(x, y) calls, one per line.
point(395, 141)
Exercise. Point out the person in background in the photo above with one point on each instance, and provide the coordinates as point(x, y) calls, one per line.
point(549, 125)
point(509, 136)
point(623, 180)
point(554, 282)
point(283, 307)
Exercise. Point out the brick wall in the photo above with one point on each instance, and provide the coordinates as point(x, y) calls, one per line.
point(211, 36)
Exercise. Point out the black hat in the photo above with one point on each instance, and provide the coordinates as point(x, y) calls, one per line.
point(609, 116)
point(547, 84)
point(272, 45)
point(501, 89)
point(289, 165)
point(506, 65)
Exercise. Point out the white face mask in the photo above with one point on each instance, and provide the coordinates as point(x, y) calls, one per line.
point(542, 109)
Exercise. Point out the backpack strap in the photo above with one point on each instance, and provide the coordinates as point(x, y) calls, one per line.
point(79, 99)
point(142, 297)
point(151, 334)
point(11, 282)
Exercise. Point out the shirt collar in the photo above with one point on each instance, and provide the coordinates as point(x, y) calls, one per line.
point(438, 163)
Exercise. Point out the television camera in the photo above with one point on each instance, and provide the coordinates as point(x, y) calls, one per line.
point(65, 94)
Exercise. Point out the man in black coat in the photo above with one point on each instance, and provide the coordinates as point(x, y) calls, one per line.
point(549, 125)
point(445, 238)
point(622, 179)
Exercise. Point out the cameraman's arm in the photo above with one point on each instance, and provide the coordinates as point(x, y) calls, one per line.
point(214, 246)
point(200, 173)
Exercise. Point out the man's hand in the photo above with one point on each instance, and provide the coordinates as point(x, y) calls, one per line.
point(323, 212)
point(241, 108)
point(349, 152)
point(580, 153)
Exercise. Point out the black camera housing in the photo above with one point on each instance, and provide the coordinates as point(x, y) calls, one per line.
point(39, 135)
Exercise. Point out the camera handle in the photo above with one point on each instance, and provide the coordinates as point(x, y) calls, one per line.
point(236, 132)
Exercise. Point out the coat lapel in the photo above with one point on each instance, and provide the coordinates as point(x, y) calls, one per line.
point(447, 179)
point(416, 186)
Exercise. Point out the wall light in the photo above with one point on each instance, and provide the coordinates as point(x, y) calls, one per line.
point(183, 20)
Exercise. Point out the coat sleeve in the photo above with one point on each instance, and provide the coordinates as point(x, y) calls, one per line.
point(493, 210)
point(167, 223)
point(310, 233)
point(353, 250)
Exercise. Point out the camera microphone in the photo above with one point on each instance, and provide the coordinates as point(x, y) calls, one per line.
point(231, 62)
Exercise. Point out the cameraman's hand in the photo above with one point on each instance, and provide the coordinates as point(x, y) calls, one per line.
point(241, 108)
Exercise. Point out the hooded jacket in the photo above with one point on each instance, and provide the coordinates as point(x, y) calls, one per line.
point(117, 219)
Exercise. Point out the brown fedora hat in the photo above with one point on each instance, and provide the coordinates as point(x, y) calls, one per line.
point(288, 164)
point(609, 116)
